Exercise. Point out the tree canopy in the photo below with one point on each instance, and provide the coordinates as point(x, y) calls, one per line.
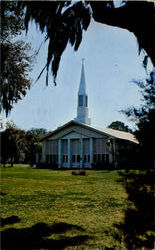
point(63, 22)
point(20, 145)
point(144, 118)
point(119, 126)
point(16, 61)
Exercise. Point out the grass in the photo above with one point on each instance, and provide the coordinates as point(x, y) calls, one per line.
point(76, 212)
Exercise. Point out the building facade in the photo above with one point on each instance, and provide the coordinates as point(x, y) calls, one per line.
point(78, 144)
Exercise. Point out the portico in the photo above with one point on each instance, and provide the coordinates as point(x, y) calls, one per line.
point(75, 152)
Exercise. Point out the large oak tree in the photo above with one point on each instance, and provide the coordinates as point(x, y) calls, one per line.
point(63, 22)
point(16, 61)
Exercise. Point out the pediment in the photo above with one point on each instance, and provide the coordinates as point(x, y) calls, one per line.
point(74, 135)
point(74, 131)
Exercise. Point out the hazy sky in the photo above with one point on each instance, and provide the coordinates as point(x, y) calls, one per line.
point(111, 62)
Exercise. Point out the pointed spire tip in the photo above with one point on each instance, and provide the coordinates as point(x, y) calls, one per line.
point(83, 60)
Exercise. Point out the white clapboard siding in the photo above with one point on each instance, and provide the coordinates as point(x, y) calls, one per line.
point(52, 147)
point(86, 147)
point(64, 147)
point(75, 146)
point(99, 146)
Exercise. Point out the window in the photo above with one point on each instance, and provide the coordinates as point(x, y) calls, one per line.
point(99, 158)
point(78, 158)
point(117, 158)
point(65, 158)
point(54, 158)
point(80, 100)
point(107, 158)
point(51, 158)
point(85, 158)
point(47, 158)
point(95, 157)
point(103, 158)
point(73, 158)
point(86, 100)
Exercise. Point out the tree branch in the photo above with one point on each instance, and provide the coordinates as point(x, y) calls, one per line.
point(136, 16)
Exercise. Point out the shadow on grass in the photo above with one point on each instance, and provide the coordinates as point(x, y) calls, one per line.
point(138, 227)
point(9, 220)
point(36, 237)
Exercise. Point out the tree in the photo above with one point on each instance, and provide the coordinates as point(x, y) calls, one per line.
point(119, 126)
point(9, 138)
point(137, 230)
point(19, 145)
point(144, 118)
point(32, 138)
point(15, 58)
point(37, 133)
point(63, 22)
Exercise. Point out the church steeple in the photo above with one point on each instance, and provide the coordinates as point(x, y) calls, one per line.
point(82, 87)
point(82, 109)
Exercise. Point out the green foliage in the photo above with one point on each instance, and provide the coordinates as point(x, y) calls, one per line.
point(19, 145)
point(37, 133)
point(144, 118)
point(11, 20)
point(138, 227)
point(91, 204)
point(32, 138)
point(119, 126)
point(15, 57)
point(11, 143)
point(62, 21)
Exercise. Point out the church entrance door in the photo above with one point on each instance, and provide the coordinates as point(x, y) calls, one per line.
point(75, 153)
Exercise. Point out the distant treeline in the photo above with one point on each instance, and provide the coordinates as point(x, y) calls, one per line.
point(20, 146)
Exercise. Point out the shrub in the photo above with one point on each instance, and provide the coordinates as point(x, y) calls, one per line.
point(79, 172)
point(47, 166)
point(75, 172)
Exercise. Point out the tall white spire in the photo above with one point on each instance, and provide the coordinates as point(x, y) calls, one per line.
point(82, 87)
point(82, 109)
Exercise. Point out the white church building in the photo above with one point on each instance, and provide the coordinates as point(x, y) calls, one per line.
point(78, 144)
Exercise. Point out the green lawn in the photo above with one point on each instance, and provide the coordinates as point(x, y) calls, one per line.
point(56, 210)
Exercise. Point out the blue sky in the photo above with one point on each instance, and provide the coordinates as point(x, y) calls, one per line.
point(111, 62)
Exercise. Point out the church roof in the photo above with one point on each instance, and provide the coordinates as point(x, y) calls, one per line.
point(118, 134)
point(108, 131)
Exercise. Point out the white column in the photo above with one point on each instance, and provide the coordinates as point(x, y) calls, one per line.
point(81, 153)
point(59, 153)
point(69, 153)
point(91, 151)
